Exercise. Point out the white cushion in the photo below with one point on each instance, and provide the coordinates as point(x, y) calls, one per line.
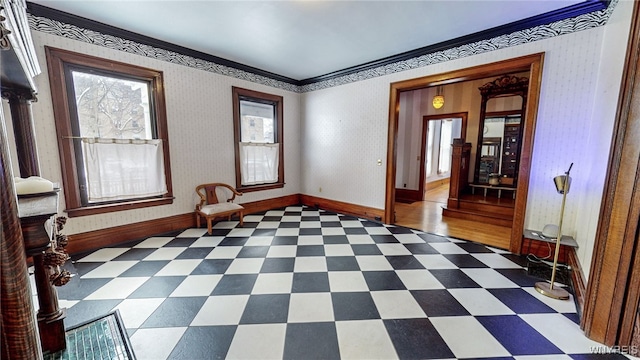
point(220, 208)
point(32, 185)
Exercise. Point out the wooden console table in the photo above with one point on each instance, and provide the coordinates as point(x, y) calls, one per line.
point(534, 235)
point(537, 235)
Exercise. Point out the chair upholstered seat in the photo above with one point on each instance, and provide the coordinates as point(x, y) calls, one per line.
point(216, 200)
point(220, 208)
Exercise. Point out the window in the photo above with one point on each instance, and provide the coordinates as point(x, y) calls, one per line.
point(112, 133)
point(430, 132)
point(446, 138)
point(258, 138)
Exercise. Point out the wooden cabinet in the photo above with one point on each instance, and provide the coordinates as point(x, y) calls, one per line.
point(489, 159)
point(510, 150)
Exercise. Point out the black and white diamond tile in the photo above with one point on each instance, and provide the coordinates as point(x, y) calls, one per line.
point(302, 283)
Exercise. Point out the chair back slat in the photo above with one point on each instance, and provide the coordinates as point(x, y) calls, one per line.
point(212, 196)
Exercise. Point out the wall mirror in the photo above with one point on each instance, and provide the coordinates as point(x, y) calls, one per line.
point(500, 130)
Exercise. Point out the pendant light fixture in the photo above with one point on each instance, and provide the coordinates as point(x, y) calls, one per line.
point(438, 100)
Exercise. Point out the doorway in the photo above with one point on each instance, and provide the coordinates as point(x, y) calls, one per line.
point(424, 153)
point(531, 64)
point(438, 132)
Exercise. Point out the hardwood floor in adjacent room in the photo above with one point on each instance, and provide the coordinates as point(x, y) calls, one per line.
point(427, 216)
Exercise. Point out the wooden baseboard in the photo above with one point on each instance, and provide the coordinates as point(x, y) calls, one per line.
point(269, 204)
point(408, 196)
point(578, 280)
point(436, 183)
point(91, 240)
point(343, 207)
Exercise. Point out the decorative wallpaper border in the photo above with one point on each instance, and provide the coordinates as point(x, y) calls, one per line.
point(562, 27)
point(73, 32)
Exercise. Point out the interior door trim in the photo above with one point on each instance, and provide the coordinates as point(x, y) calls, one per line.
point(532, 64)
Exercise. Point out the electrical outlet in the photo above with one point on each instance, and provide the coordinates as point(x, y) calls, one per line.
point(320, 189)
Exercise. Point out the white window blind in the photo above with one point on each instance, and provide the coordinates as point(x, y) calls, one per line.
point(259, 163)
point(123, 169)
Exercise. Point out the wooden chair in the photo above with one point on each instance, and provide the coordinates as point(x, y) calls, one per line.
point(216, 200)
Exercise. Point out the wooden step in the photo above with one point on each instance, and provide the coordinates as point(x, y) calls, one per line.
point(479, 216)
point(481, 207)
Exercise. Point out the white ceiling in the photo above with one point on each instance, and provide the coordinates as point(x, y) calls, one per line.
point(304, 39)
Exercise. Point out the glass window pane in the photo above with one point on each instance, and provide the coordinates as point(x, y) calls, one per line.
point(257, 122)
point(431, 131)
point(112, 108)
point(446, 138)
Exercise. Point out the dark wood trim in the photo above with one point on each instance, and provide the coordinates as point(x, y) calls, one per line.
point(526, 151)
point(580, 8)
point(342, 207)
point(252, 188)
point(502, 113)
point(629, 326)
point(532, 64)
point(408, 195)
point(64, 17)
point(436, 183)
point(96, 239)
point(577, 279)
point(464, 115)
point(612, 300)
point(459, 177)
point(129, 205)
point(23, 129)
point(57, 62)
point(270, 204)
point(91, 240)
point(278, 102)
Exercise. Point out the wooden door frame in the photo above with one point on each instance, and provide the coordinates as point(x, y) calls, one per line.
point(611, 306)
point(423, 147)
point(532, 64)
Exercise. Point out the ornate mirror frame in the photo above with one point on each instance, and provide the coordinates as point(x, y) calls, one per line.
point(506, 85)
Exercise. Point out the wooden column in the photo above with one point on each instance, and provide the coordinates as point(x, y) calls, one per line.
point(23, 129)
point(460, 157)
point(19, 334)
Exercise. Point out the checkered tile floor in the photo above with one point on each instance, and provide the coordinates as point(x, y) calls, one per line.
point(301, 283)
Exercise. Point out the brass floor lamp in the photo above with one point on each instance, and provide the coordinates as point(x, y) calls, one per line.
point(562, 183)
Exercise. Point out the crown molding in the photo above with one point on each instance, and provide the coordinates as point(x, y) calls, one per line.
point(544, 19)
point(105, 29)
point(350, 74)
